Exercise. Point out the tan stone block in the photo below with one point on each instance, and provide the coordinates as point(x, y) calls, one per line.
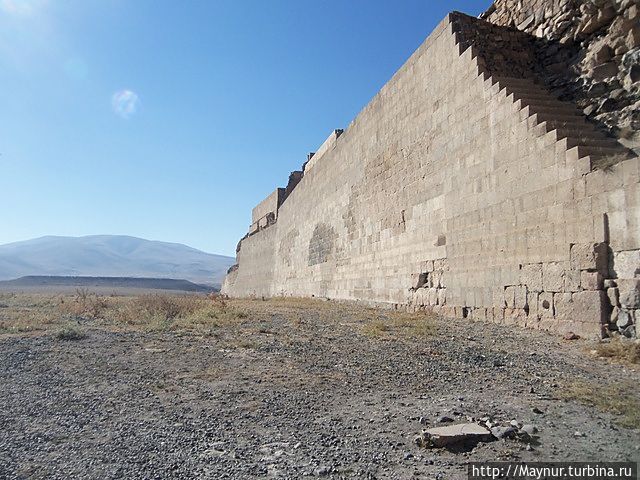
point(586, 307)
point(531, 276)
point(591, 280)
point(509, 297)
point(626, 264)
point(614, 296)
point(532, 303)
point(545, 305)
point(432, 296)
point(552, 277)
point(590, 256)
point(520, 296)
point(629, 292)
point(479, 314)
point(427, 266)
point(571, 280)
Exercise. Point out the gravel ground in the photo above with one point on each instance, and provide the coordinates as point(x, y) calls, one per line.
point(288, 396)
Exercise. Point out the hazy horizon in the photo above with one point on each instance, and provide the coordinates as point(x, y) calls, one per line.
point(110, 256)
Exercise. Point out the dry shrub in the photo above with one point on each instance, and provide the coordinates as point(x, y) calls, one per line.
point(620, 349)
point(70, 333)
point(85, 305)
point(176, 312)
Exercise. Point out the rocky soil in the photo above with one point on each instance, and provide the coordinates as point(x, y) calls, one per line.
point(288, 392)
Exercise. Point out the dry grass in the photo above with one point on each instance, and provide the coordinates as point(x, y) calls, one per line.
point(621, 350)
point(158, 312)
point(621, 399)
point(400, 325)
point(200, 315)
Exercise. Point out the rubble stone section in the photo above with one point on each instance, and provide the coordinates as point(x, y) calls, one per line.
point(588, 52)
point(467, 188)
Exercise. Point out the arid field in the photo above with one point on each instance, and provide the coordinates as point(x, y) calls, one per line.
point(170, 386)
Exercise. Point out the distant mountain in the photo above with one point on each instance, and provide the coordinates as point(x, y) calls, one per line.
point(46, 282)
point(111, 256)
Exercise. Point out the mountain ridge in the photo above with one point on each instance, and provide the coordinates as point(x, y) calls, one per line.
point(110, 256)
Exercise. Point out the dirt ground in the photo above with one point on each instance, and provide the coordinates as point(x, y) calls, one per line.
point(289, 389)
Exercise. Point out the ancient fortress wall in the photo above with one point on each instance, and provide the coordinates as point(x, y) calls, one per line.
point(467, 188)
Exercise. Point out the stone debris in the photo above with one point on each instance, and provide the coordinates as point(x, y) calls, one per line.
point(473, 432)
point(452, 434)
point(571, 336)
point(503, 432)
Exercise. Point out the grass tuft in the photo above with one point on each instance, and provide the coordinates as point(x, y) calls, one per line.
point(70, 333)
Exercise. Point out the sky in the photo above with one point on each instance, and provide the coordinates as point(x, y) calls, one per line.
point(170, 120)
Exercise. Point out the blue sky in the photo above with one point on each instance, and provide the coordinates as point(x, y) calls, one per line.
point(170, 120)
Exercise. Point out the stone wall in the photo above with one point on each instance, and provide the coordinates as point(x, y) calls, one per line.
point(588, 51)
point(466, 188)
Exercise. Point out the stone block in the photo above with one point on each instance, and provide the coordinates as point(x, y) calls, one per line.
point(479, 314)
point(531, 276)
point(586, 307)
point(626, 264)
point(520, 296)
point(624, 319)
point(629, 292)
point(591, 280)
point(552, 277)
point(442, 296)
point(509, 297)
point(532, 303)
point(614, 296)
point(435, 279)
point(571, 280)
point(440, 264)
point(432, 298)
point(590, 256)
point(498, 295)
point(545, 305)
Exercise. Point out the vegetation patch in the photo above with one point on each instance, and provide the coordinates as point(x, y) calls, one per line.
point(400, 325)
point(621, 400)
point(620, 349)
point(70, 333)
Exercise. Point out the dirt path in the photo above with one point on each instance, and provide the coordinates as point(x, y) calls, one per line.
point(288, 393)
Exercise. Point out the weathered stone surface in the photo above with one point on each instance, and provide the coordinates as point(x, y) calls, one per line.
point(552, 277)
point(531, 276)
point(626, 264)
point(442, 436)
point(624, 319)
point(591, 280)
point(585, 307)
point(614, 295)
point(545, 305)
point(629, 293)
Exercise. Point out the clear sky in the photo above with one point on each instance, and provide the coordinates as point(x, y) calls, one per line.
point(169, 120)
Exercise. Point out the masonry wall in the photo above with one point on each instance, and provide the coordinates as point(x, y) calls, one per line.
point(446, 193)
